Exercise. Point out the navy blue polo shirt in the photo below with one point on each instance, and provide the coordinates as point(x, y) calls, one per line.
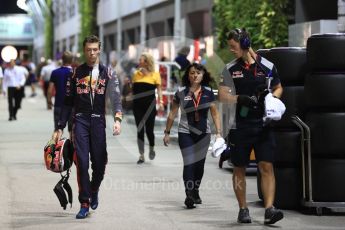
point(190, 122)
point(248, 79)
point(59, 78)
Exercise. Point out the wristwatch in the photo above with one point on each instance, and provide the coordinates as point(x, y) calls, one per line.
point(167, 132)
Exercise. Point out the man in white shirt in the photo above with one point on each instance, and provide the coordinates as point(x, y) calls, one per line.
point(45, 74)
point(1, 77)
point(22, 71)
point(13, 81)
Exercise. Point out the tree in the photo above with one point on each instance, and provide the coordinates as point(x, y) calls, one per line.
point(88, 22)
point(265, 20)
point(48, 32)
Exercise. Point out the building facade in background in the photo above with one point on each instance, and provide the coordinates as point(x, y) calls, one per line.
point(66, 22)
point(124, 24)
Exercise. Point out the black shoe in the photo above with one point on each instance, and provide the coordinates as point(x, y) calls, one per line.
point(272, 215)
point(223, 157)
point(196, 197)
point(94, 200)
point(152, 154)
point(141, 159)
point(243, 216)
point(189, 202)
point(221, 160)
point(10, 119)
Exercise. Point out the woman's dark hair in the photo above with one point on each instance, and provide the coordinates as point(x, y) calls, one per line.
point(206, 79)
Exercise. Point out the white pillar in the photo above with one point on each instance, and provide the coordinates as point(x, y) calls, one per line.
point(68, 44)
point(119, 30)
point(177, 21)
point(103, 56)
point(76, 42)
point(143, 23)
point(119, 35)
point(341, 16)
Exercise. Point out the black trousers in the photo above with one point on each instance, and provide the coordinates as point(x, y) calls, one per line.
point(14, 97)
point(194, 149)
point(144, 114)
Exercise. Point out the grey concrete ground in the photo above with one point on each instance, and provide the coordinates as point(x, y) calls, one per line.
point(149, 196)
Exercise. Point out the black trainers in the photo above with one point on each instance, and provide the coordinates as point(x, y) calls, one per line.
point(243, 216)
point(273, 215)
point(196, 197)
point(94, 200)
point(152, 154)
point(141, 159)
point(224, 157)
point(189, 201)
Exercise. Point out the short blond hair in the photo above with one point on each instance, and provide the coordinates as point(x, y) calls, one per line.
point(149, 60)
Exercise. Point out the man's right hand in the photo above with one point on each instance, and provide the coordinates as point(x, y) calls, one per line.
point(247, 101)
point(166, 139)
point(57, 135)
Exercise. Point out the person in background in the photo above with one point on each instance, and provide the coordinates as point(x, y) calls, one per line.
point(31, 80)
point(45, 74)
point(13, 82)
point(181, 58)
point(253, 77)
point(195, 99)
point(58, 82)
point(145, 81)
point(1, 77)
point(116, 67)
point(23, 71)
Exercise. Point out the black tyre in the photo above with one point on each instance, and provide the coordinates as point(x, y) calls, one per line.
point(325, 52)
point(325, 90)
point(288, 150)
point(327, 134)
point(328, 180)
point(291, 63)
point(288, 193)
point(293, 99)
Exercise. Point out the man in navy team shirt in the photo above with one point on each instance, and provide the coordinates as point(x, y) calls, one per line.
point(58, 79)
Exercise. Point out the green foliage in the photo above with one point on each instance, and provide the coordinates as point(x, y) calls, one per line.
point(265, 20)
point(215, 65)
point(273, 23)
point(48, 32)
point(88, 24)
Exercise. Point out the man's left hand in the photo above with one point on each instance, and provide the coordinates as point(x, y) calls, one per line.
point(116, 128)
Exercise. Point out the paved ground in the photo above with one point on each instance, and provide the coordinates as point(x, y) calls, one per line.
point(149, 196)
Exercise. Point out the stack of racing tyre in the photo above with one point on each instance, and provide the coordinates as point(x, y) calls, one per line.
point(291, 64)
point(325, 115)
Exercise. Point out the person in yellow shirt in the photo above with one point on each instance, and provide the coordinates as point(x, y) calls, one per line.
point(145, 82)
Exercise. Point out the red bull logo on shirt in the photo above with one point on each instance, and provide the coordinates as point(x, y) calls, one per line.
point(83, 81)
point(101, 82)
point(83, 85)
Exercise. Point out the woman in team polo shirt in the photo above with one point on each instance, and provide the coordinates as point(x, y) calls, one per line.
point(145, 82)
point(195, 99)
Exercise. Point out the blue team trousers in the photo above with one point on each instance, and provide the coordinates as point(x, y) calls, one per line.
point(90, 144)
point(194, 149)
